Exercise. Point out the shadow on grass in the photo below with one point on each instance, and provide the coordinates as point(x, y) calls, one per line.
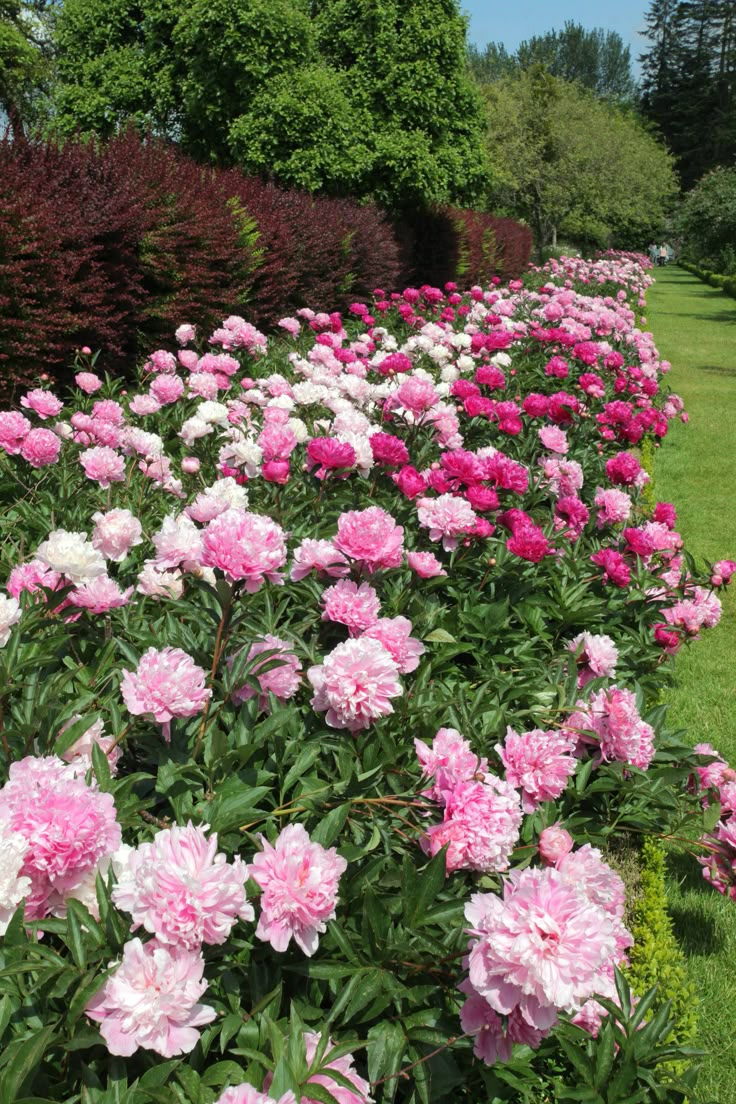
point(695, 928)
point(716, 369)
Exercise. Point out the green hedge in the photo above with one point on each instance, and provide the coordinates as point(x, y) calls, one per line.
point(725, 283)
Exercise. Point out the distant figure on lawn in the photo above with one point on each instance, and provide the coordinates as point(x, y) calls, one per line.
point(653, 250)
point(663, 254)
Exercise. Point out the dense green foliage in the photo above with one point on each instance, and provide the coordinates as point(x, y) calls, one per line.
point(689, 81)
point(361, 96)
point(707, 222)
point(568, 162)
point(597, 59)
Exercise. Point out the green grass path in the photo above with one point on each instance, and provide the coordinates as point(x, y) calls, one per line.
point(694, 327)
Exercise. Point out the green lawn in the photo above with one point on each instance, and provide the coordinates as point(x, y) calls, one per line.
point(694, 327)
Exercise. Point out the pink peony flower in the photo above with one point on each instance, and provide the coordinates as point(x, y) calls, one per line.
point(13, 428)
point(554, 844)
point(144, 404)
point(40, 448)
point(417, 395)
point(281, 674)
point(167, 388)
point(538, 763)
point(480, 827)
point(371, 538)
point(167, 683)
point(388, 450)
point(395, 635)
point(612, 719)
point(115, 533)
point(88, 382)
point(151, 1001)
point(103, 465)
point(614, 507)
point(155, 583)
point(31, 577)
point(554, 438)
point(247, 1094)
point(320, 556)
point(597, 656)
point(41, 402)
point(614, 567)
point(425, 564)
point(180, 889)
point(299, 880)
point(70, 828)
point(447, 518)
point(247, 547)
point(450, 760)
point(178, 543)
point(355, 684)
point(79, 755)
point(185, 333)
point(100, 595)
point(528, 542)
point(355, 606)
point(328, 455)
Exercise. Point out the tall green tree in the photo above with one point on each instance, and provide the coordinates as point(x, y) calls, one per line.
point(368, 96)
point(24, 58)
point(570, 163)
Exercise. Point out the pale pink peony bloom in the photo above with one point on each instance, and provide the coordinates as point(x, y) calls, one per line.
point(73, 555)
point(69, 827)
point(165, 684)
point(40, 448)
point(161, 361)
point(494, 1037)
point(10, 614)
point(538, 763)
point(100, 595)
point(88, 382)
point(43, 403)
point(360, 1093)
point(103, 465)
point(554, 844)
point(167, 388)
point(190, 465)
point(182, 890)
point(13, 428)
point(108, 410)
point(447, 518)
point(370, 538)
point(586, 870)
point(417, 395)
point(144, 404)
point(544, 947)
point(247, 1094)
point(563, 477)
point(278, 673)
point(450, 760)
point(300, 881)
point(151, 1001)
point(395, 635)
point(79, 754)
point(14, 886)
point(354, 606)
point(247, 547)
point(597, 657)
point(614, 507)
point(320, 556)
point(355, 684)
point(185, 333)
point(554, 438)
point(425, 564)
point(178, 543)
point(291, 325)
point(480, 827)
point(115, 533)
point(155, 583)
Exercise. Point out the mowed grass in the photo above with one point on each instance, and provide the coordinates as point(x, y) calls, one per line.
point(694, 327)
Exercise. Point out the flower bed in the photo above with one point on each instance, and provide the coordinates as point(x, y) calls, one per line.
point(329, 666)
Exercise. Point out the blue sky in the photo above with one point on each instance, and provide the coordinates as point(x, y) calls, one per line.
point(512, 22)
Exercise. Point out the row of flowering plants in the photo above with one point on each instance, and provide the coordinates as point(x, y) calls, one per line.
point(331, 677)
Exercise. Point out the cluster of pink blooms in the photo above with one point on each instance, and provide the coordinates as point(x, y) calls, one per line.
point(610, 722)
point(481, 813)
point(538, 763)
point(719, 857)
point(549, 944)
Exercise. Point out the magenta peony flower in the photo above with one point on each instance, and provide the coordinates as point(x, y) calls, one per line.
point(248, 548)
point(103, 465)
point(355, 684)
point(115, 533)
point(371, 538)
point(167, 683)
point(425, 564)
point(449, 761)
point(70, 828)
point(624, 468)
point(281, 675)
point(352, 605)
point(41, 402)
point(614, 567)
point(447, 518)
point(299, 880)
point(328, 455)
point(528, 542)
point(481, 825)
point(40, 448)
point(180, 889)
point(388, 450)
point(151, 1001)
point(395, 635)
point(538, 763)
